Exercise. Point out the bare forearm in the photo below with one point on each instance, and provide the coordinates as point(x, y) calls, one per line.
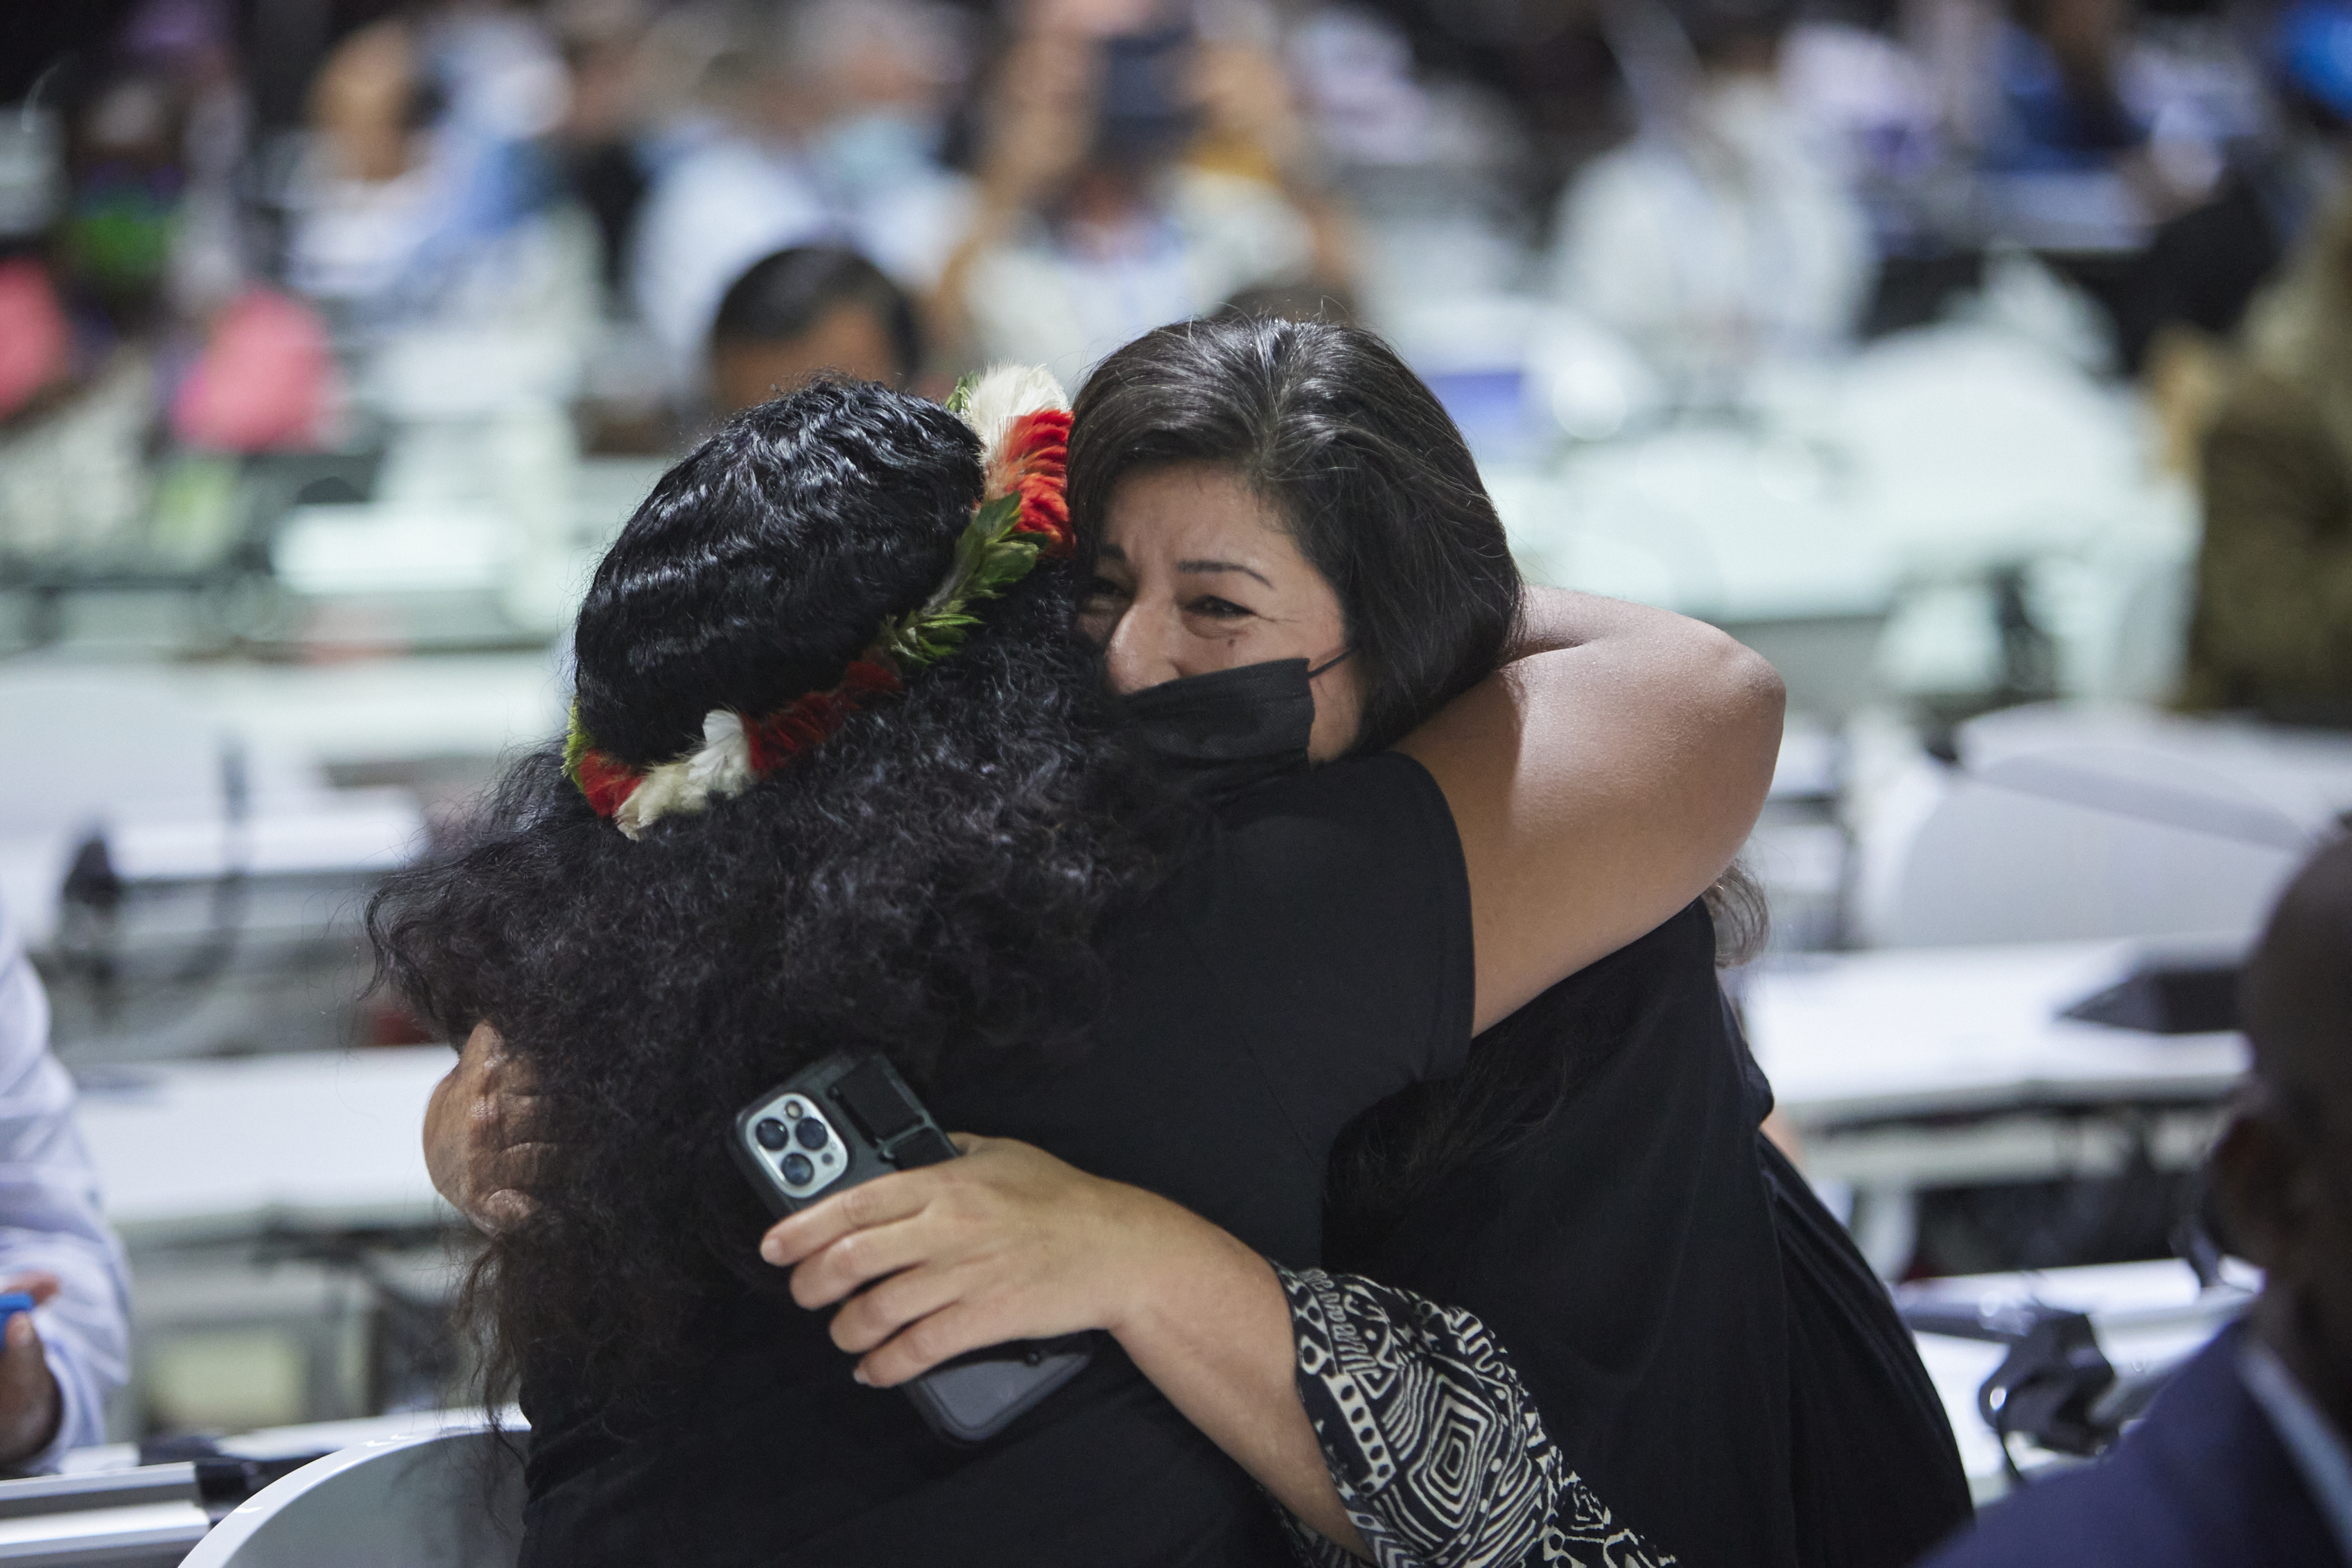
point(1212, 1330)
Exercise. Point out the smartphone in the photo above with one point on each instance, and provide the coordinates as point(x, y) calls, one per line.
point(847, 1120)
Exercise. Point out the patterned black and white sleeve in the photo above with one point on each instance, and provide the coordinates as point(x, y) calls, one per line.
point(1436, 1450)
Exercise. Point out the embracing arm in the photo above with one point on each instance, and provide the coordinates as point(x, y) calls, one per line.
point(1599, 781)
point(1290, 1372)
point(1010, 1243)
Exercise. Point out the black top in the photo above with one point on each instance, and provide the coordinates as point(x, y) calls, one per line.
point(1311, 959)
point(1705, 1348)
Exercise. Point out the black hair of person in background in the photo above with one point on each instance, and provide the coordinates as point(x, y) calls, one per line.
point(1704, 1344)
point(806, 310)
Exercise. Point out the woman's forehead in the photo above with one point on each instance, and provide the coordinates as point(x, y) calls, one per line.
point(1182, 510)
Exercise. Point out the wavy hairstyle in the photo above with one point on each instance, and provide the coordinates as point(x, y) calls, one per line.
point(1380, 491)
point(928, 882)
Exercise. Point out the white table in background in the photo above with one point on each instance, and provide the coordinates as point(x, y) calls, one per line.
point(1914, 1067)
point(207, 1150)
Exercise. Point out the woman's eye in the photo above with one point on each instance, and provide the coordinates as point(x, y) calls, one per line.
point(1102, 588)
point(1220, 609)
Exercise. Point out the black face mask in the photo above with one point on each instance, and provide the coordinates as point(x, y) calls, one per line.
point(1227, 730)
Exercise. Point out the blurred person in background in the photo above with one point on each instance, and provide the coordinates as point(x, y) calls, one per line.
point(1133, 174)
point(82, 305)
point(603, 136)
point(2062, 102)
point(805, 311)
point(88, 309)
point(2204, 267)
point(2243, 1457)
point(1868, 103)
point(1720, 238)
point(427, 191)
point(2272, 631)
point(831, 135)
point(188, 49)
point(2099, 127)
point(129, 305)
point(246, 368)
point(59, 1361)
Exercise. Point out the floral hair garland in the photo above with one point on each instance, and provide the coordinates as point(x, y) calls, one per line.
point(1022, 420)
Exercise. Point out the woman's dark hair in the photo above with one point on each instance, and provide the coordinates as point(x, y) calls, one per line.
point(1358, 458)
point(927, 883)
point(1361, 462)
point(782, 296)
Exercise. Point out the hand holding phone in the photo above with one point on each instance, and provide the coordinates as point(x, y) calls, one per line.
point(848, 1120)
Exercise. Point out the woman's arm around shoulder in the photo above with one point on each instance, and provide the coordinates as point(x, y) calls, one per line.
point(1386, 1426)
point(1599, 781)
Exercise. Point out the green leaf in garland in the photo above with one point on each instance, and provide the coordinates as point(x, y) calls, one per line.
point(990, 557)
point(577, 743)
point(960, 398)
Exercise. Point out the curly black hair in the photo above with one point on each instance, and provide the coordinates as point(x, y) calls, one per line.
point(927, 883)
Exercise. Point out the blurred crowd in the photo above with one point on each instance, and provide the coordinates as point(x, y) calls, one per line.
point(248, 226)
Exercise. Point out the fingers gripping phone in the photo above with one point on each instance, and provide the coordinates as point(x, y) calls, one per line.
point(850, 1118)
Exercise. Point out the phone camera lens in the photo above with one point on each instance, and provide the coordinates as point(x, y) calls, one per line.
point(810, 1133)
point(771, 1133)
point(797, 1170)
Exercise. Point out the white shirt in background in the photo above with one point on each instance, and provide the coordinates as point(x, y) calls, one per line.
point(1041, 300)
point(1723, 242)
point(49, 1212)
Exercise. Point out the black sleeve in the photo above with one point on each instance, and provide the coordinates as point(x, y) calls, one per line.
point(1437, 1452)
point(1335, 906)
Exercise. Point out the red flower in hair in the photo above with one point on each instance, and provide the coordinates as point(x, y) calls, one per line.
point(1026, 493)
point(805, 721)
point(607, 785)
point(1036, 467)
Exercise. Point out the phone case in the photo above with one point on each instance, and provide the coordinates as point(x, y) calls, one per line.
point(850, 1118)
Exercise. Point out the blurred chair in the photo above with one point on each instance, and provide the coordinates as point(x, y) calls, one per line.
point(2065, 822)
point(451, 1500)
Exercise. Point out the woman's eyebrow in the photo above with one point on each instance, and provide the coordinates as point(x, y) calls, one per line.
point(1212, 566)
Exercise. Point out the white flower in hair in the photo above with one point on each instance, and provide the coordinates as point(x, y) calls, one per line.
point(1022, 417)
point(1002, 395)
point(721, 766)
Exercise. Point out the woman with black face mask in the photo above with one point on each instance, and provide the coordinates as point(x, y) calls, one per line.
point(838, 779)
point(1578, 1251)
